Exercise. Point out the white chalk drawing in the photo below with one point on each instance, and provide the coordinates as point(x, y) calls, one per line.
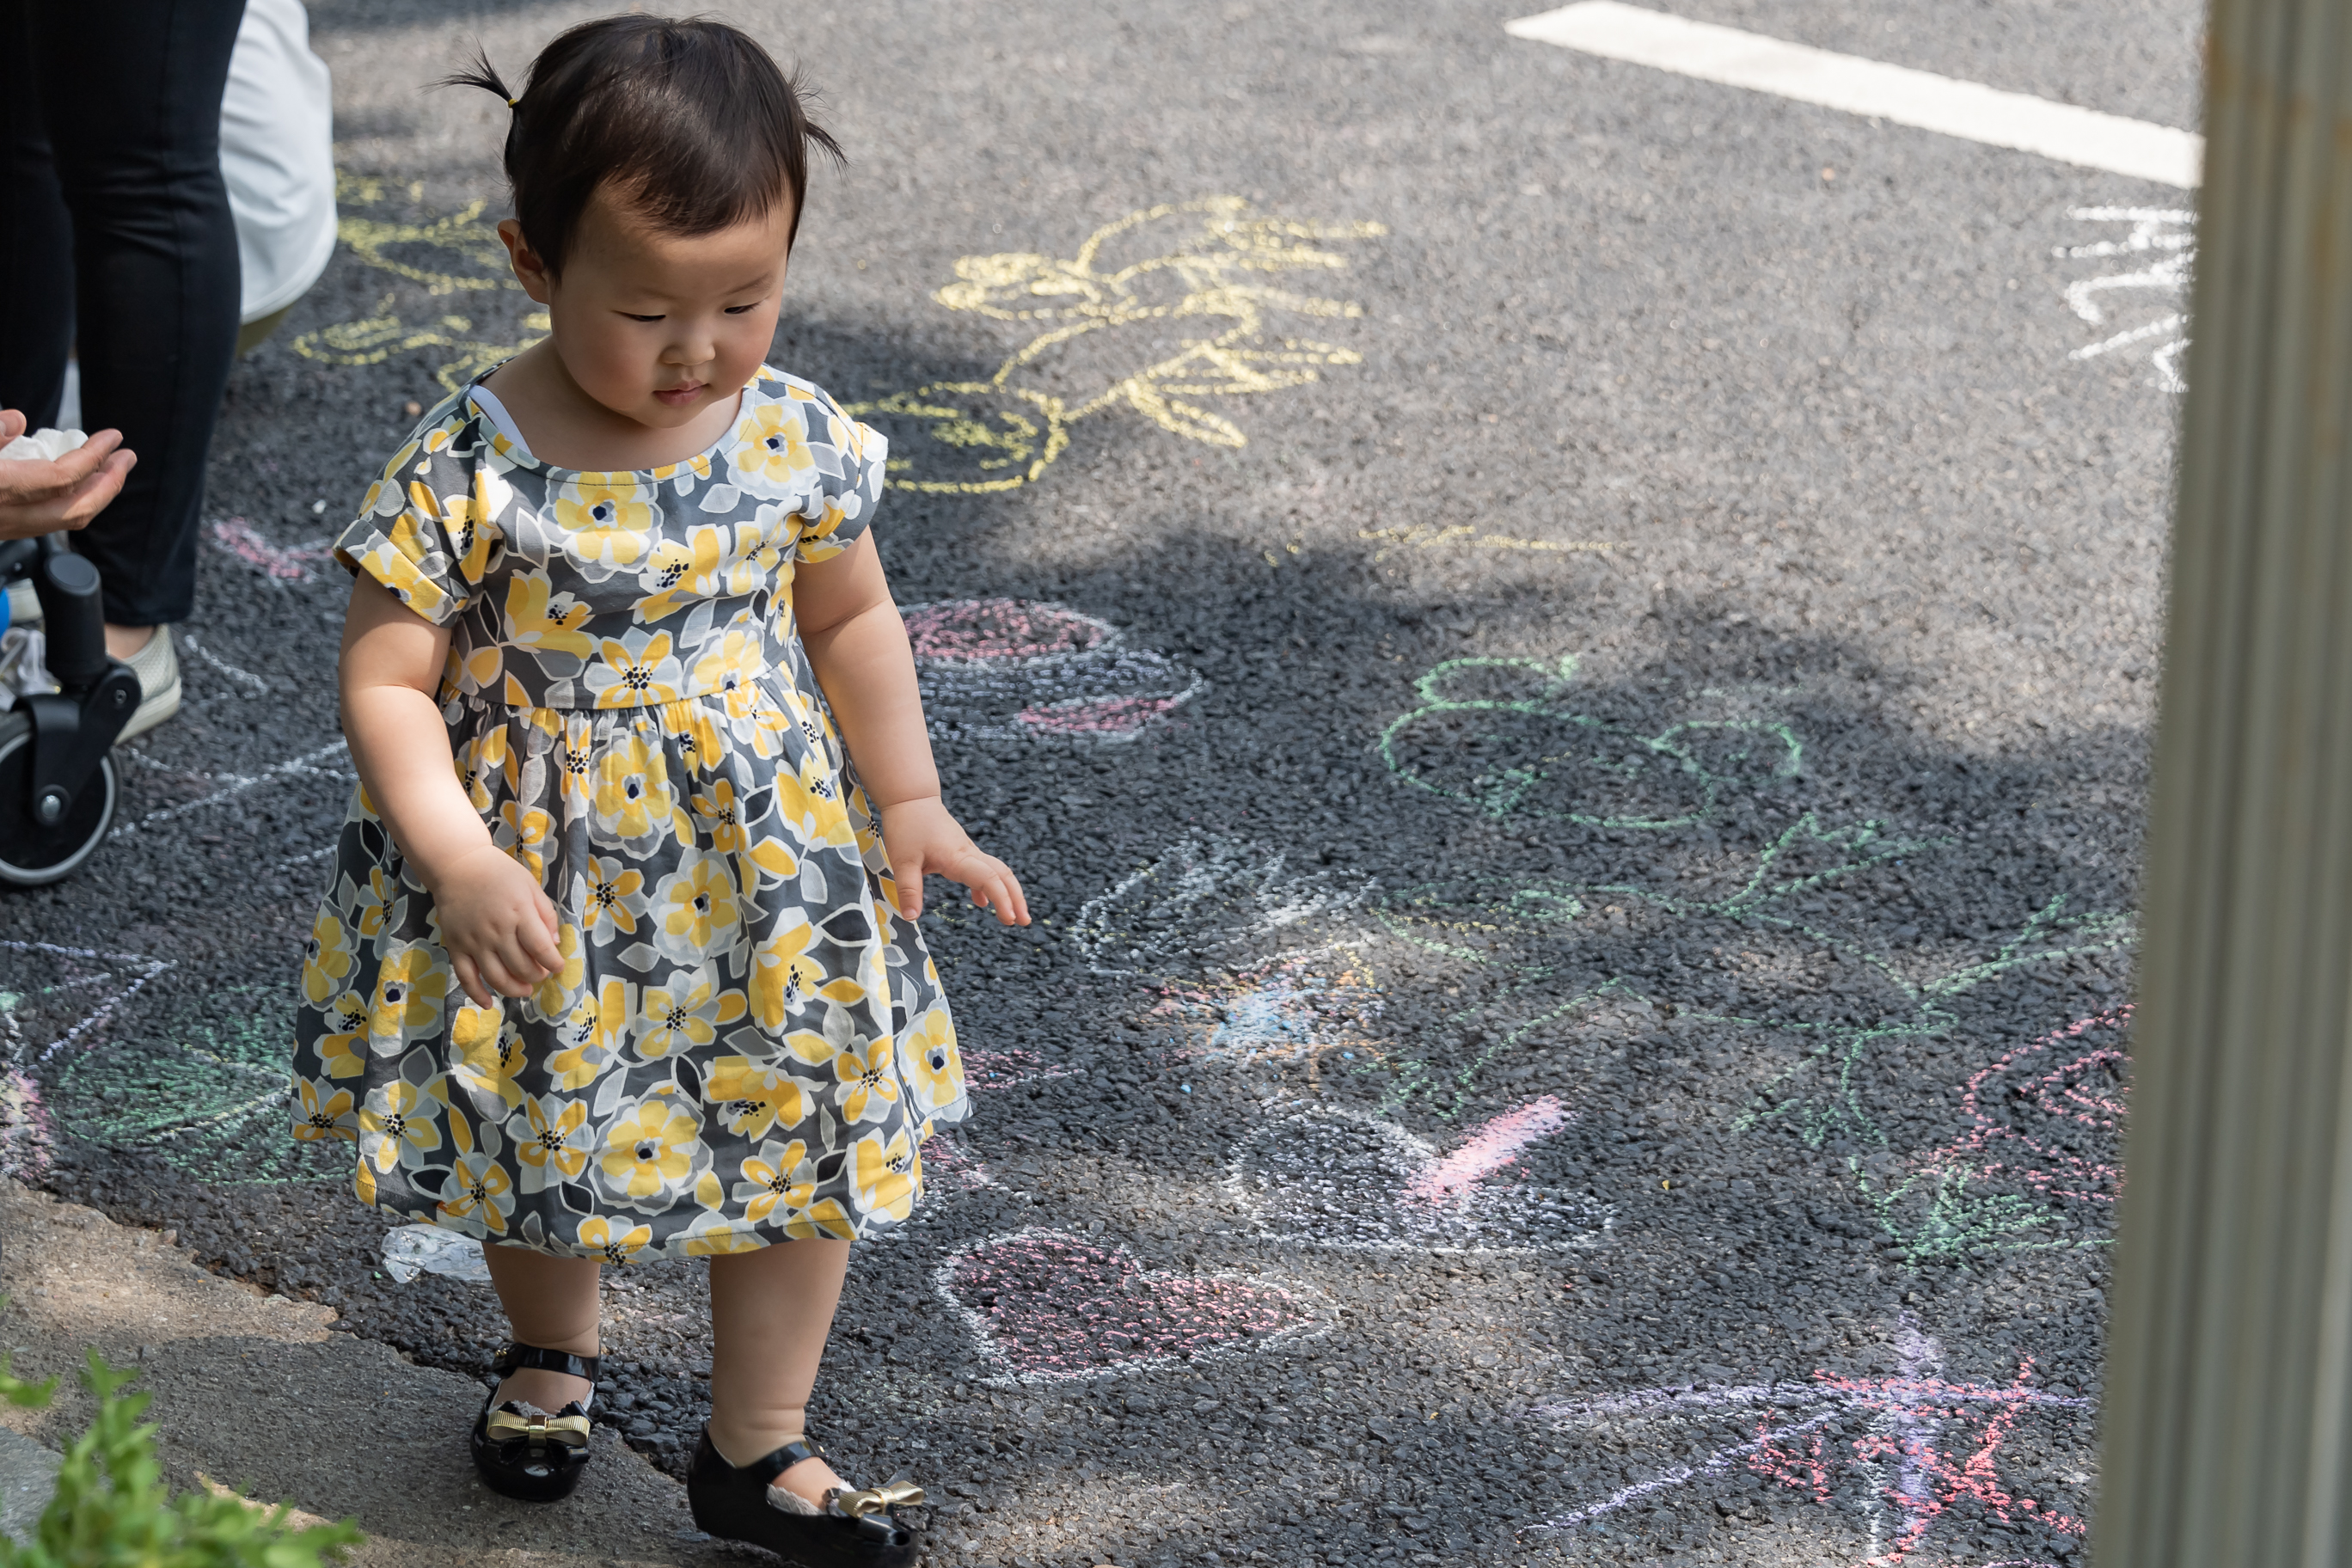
point(53, 1000)
point(1340, 1179)
point(1296, 1007)
point(1202, 901)
point(2158, 251)
point(1046, 1305)
point(330, 762)
point(245, 683)
point(412, 1249)
point(1010, 669)
point(1899, 1451)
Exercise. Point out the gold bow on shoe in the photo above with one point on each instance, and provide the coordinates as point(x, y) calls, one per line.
point(898, 1492)
point(569, 1431)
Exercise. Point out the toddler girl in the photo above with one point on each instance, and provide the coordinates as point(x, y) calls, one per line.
point(619, 959)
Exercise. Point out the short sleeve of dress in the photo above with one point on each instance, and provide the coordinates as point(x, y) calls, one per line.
point(419, 532)
point(850, 458)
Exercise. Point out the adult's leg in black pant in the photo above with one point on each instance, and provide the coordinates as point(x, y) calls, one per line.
point(131, 93)
point(36, 236)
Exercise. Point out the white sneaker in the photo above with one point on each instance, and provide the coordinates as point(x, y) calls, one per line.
point(158, 669)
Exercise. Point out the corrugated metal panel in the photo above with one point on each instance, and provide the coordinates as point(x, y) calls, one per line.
point(2230, 1369)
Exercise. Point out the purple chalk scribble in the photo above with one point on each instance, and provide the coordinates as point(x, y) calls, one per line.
point(1044, 1306)
point(2048, 1117)
point(279, 563)
point(1012, 670)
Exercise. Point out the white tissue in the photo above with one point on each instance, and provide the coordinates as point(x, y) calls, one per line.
point(44, 446)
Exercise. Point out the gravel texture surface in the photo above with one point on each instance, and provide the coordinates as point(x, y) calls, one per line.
point(1570, 678)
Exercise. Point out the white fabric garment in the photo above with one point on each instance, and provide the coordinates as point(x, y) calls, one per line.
point(277, 155)
point(495, 413)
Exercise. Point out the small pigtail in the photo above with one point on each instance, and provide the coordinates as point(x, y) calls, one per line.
point(483, 75)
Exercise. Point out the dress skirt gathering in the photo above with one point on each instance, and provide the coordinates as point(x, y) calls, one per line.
point(746, 1042)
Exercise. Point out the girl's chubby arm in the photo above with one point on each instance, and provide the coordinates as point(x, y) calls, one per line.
point(500, 929)
point(857, 646)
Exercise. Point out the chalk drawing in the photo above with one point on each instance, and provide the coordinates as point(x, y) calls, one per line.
point(2044, 1136)
point(55, 1002)
point(1340, 1179)
point(245, 683)
point(1899, 1451)
point(330, 762)
point(1201, 899)
point(1013, 670)
point(1044, 1306)
point(456, 254)
point(1768, 977)
point(2160, 249)
point(1299, 1007)
point(275, 563)
point(1463, 536)
point(206, 1096)
point(1504, 735)
point(412, 1249)
point(1101, 318)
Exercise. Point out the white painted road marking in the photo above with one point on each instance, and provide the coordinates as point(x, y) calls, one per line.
point(1964, 109)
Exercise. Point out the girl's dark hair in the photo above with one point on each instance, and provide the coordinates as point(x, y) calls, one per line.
point(689, 121)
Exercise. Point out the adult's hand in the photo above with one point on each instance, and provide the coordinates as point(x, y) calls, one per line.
point(41, 497)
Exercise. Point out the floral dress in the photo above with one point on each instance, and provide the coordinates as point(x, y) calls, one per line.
point(746, 1042)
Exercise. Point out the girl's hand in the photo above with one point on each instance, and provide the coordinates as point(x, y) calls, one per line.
point(498, 928)
point(922, 840)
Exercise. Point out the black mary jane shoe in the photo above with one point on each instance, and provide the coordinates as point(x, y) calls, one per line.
point(854, 1528)
point(537, 1458)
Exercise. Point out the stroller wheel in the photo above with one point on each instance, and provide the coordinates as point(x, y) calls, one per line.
point(31, 855)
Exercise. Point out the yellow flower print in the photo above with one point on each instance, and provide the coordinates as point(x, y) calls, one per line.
point(778, 1173)
point(523, 832)
point(384, 903)
point(485, 755)
point(634, 669)
point(410, 984)
point(597, 1236)
point(697, 732)
point(542, 620)
point(716, 1237)
point(342, 1049)
point(575, 761)
point(886, 1176)
point(486, 1052)
point(590, 1037)
point(480, 1189)
point(811, 805)
point(323, 1116)
point(632, 798)
point(650, 1148)
point(931, 1062)
point(559, 992)
point(610, 519)
point(732, 668)
point(825, 1217)
point(783, 976)
point(326, 959)
point(399, 1122)
point(771, 856)
point(615, 897)
point(683, 1015)
point(718, 813)
point(552, 1140)
point(698, 908)
point(869, 1078)
point(683, 573)
point(770, 448)
point(753, 1098)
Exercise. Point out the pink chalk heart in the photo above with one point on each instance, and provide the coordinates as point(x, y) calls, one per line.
point(1047, 1306)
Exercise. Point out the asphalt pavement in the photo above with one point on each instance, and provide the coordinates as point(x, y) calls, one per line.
point(1569, 666)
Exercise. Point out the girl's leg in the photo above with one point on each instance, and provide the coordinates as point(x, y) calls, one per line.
point(770, 1313)
point(551, 1302)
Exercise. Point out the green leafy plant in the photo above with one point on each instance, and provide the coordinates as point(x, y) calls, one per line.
point(112, 1505)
